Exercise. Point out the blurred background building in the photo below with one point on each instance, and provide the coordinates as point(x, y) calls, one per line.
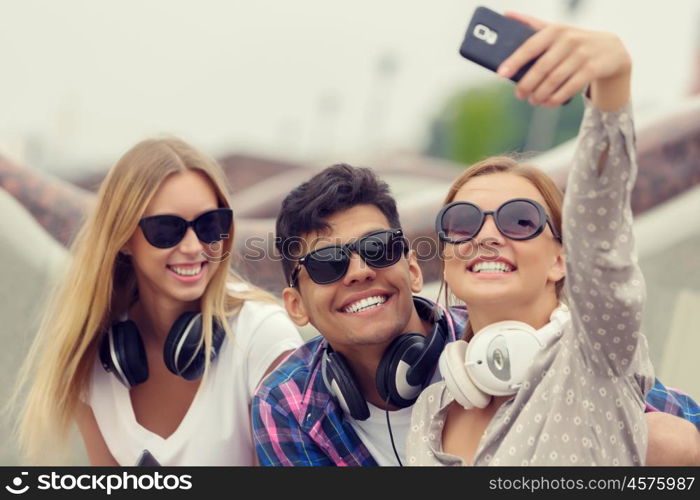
point(278, 90)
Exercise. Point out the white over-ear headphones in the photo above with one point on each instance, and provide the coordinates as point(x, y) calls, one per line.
point(496, 360)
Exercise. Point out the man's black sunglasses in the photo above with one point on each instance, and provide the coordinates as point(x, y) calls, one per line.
point(328, 264)
point(517, 219)
point(166, 231)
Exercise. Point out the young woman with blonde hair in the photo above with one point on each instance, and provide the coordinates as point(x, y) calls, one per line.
point(151, 342)
point(540, 383)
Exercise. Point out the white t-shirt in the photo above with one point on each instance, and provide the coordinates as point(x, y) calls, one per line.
point(374, 432)
point(216, 429)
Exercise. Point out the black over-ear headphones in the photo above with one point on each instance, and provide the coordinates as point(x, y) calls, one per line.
point(122, 351)
point(403, 372)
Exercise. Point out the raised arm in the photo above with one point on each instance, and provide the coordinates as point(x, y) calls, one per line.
point(571, 59)
point(603, 280)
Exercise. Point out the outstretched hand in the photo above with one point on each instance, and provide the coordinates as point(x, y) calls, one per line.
point(571, 58)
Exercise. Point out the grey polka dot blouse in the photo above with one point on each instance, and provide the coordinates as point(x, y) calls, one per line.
point(583, 399)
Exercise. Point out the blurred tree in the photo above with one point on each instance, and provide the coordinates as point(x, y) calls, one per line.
point(486, 120)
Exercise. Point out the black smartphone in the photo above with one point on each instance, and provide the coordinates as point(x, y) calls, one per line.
point(492, 37)
point(147, 460)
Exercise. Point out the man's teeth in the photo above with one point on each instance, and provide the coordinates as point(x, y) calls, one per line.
point(365, 304)
point(187, 271)
point(491, 267)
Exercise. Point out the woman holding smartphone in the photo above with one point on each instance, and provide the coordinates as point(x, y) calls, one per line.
point(560, 385)
point(151, 343)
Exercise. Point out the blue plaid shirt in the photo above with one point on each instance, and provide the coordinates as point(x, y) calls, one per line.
point(297, 422)
point(673, 401)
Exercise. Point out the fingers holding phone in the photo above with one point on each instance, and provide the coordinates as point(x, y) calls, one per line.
point(568, 60)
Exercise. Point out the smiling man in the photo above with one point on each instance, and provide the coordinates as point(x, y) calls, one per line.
point(351, 275)
point(345, 398)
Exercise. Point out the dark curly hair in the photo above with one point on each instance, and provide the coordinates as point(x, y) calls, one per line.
point(334, 189)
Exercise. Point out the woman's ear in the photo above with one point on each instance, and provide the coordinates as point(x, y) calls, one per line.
point(295, 306)
point(125, 249)
point(414, 271)
point(558, 269)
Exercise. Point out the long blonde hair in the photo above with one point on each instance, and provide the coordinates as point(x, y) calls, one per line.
point(100, 284)
point(551, 193)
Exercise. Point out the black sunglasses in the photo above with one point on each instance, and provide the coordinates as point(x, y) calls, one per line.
point(517, 219)
point(328, 264)
point(166, 231)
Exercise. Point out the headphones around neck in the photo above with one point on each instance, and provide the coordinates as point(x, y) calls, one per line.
point(403, 372)
point(496, 360)
point(122, 351)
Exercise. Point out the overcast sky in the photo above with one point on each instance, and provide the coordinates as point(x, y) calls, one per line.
point(82, 81)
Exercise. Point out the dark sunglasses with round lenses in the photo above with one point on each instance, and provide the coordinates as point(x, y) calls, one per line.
point(166, 231)
point(328, 264)
point(517, 219)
